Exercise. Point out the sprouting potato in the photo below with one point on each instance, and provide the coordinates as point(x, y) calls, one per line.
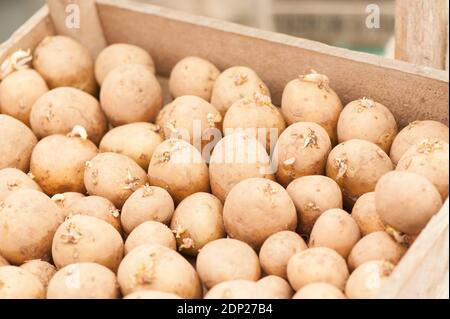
point(365, 214)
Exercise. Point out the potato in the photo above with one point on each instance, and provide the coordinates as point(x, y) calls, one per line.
point(59, 110)
point(3, 262)
point(277, 286)
point(151, 294)
point(337, 230)
point(155, 267)
point(190, 118)
point(65, 200)
point(238, 289)
point(193, 76)
point(98, 207)
point(406, 201)
point(19, 91)
point(319, 264)
point(257, 208)
point(301, 98)
point(235, 158)
point(83, 238)
point(178, 167)
point(234, 84)
point(357, 165)
point(58, 161)
point(43, 270)
point(319, 290)
point(16, 143)
point(28, 220)
point(16, 283)
point(227, 259)
point(119, 54)
point(428, 158)
point(136, 140)
point(83, 281)
point(63, 61)
point(12, 179)
point(276, 251)
point(414, 133)
point(365, 215)
point(301, 150)
point(375, 246)
point(150, 232)
point(312, 195)
point(113, 176)
point(131, 93)
point(367, 120)
point(257, 115)
point(197, 220)
point(368, 279)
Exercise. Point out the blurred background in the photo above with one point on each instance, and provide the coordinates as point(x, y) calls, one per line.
point(336, 22)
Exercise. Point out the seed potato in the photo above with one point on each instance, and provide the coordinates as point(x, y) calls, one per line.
point(277, 286)
point(150, 232)
point(16, 283)
point(151, 294)
point(12, 179)
point(365, 214)
point(319, 290)
point(238, 289)
point(43, 270)
point(65, 200)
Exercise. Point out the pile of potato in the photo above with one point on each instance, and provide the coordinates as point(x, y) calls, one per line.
point(106, 193)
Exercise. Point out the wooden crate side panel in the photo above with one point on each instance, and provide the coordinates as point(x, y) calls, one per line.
point(411, 92)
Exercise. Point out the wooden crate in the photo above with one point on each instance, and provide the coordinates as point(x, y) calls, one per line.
point(411, 92)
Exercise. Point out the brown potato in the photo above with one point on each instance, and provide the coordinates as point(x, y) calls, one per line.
point(151, 294)
point(65, 200)
point(28, 220)
point(337, 230)
point(257, 208)
point(276, 251)
point(238, 289)
point(84, 238)
point(406, 201)
point(197, 220)
point(16, 283)
point(63, 61)
point(301, 150)
point(155, 267)
point(19, 91)
point(227, 259)
point(150, 232)
point(131, 93)
point(414, 133)
point(367, 120)
point(16, 143)
point(12, 179)
point(58, 111)
point(301, 98)
point(83, 281)
point(312, 195)
point(365, 215)
point(277, 286)
point(193, 76)
point(319, 290)
point(43, 270)
point(113, 176)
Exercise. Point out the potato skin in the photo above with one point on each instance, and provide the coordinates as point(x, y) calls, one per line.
point(337, 230)
point(406, 201)
point(150, 232)
point(3, 262)
point(312, 195)
point(276, 251)
point(63, 61)
point(253, 218)
point(238, 289)
point(136, 140)
point(227, 259)
point(58, 163)
point(368, 120)
point(43, 270)
point(319, 264)
point(277, 286)
point(17, 143)
point(365, 214)
point(28, 219)
point(131, 93)
point(155, 267)
point(59, 110)
point(319, 290)
point(12, 179)
point(197, 220)
point(147, 203)
point(19, 91)
point(16, 283)
point(84, 238)
point(301, 150)
point(302, 96)
point(415, 132)
point(118, 54)
point(235, 158)
point(83, 281)
point(113, 176)
point(151, 294)
point(193, 76)
point(65, 200)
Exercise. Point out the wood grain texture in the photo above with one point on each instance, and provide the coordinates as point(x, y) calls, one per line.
point(421, 32)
